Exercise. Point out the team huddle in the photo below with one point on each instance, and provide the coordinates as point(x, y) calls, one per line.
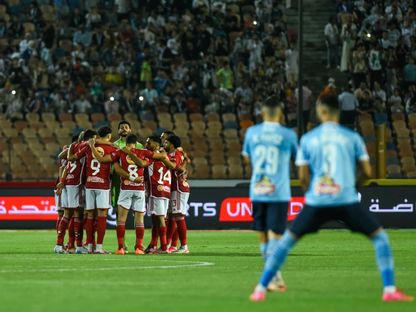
point(151, 179)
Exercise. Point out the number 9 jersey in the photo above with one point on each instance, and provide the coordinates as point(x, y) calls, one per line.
point(98, 174)
point(270, 147)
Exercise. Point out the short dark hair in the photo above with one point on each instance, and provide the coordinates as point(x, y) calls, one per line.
point(155, 138)
point(74, 138)
point(175, 140)
point(104, 131)
point(123, 122)
point(168, 132)
point(89, 134)
point(132, 139)
point(330, 100)
point(273, 102)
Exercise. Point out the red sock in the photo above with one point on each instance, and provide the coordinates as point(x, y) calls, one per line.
point(61, 231)
point(171, 228)
point(139, 236)
point(89, 230)
point(155, 231)
point(78, 231)
point(71, 233)
point(162, 235)
point(121, 231)
point(101, 227)
point(175, 238)
point(182, 231)
point(57, 223)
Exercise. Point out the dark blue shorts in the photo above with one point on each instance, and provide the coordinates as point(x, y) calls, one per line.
point(270, 216)
point(356, 218)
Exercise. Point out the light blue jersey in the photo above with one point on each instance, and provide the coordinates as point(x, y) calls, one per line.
point(331, 152)
point(270, 147)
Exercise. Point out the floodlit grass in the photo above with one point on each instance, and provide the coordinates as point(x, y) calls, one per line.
point(332, 271)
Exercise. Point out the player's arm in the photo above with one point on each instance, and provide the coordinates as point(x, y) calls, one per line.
point(138, 161)
point(123, 173)
point(71, 156)
point(304, 176)
point(102, 141)
point(169, 164)
point(363, 159)
point(63, 172)
point(63, 154)
point(366, 169)
point(102, 159)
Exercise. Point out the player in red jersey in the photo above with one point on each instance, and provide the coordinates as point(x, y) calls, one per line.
point(97, 188)
point(72, 193)
point(58, 190)
point(180, 192)
point(159, 181)
point(132, 194)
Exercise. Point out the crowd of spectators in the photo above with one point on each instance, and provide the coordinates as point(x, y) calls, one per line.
point(144, 55)
point(377, 41)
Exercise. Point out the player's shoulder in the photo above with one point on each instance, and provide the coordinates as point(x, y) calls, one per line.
point(352, 134)
point(288, 132)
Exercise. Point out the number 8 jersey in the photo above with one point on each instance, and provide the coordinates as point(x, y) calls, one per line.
point(128, 165)
point(270, 147)
point(98, 174)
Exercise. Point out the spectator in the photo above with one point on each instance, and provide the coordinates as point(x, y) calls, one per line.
point(292, 66)
point(395, 102)
point(150, 96)
point(225, 77)
point(409, 72)
point(379, 93)
point(82, 105)
point(348, 34)
point(359, 62)
point(348, 105)
point(307, 99)
point(364, 97)
point(331, 39)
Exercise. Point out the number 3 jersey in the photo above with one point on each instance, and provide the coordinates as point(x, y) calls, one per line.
point(178, 182)
point(331, 152)
point(270, 147)
point(98, 174)
point(133, 170)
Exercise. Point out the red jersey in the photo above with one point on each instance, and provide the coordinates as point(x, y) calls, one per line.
point(160, 180)
point(61, 162)
point(75, 169)
point(98, 174)
point(178, 182)
point(128, 165)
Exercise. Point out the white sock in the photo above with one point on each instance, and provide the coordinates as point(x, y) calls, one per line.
point(89, 247)
point(99, 247)
point(389, 289)
point(260, 288)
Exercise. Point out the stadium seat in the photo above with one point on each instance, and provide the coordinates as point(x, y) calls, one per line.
point(166, 124)
point(144, 133)
point(97, 117)
point(198, 126)
point(150, 125)
point(196, 117)
point(10, 132)
point(200, 172)
point(394, 171)
point(180, 118)
point(147, 116)
point(230, 134)
point(218, 172)
point(228, 117)
point(235, 172)
point(200, 162)
point(64, 117)
point(211, 117)
point(32, 118)
point(397, 116)
point(244, 124)
point(130, 117)
point(29, 133)
point(113, 117)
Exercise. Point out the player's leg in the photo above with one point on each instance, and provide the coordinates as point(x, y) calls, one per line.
point(59, 209)
point(103, 204)
point(162, 231)
point(180, 212)
point(309, 220)
point(123, 205)
point(260, 226)
point(360, 220)
point(276, 226)
point(89, 214)
point(152, 247)
point(139, 207)
point(71, 236)
point(63, 224)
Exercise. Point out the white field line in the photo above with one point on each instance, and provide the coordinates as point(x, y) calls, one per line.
point(182, 264)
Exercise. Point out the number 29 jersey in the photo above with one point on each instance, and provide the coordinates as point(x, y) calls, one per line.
point(98, 174)
point(270, 147)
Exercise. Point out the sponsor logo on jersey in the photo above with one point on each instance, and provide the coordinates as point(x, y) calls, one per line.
point(95, 180)
point(327, 186)
point(264, 187)
point(163, 188)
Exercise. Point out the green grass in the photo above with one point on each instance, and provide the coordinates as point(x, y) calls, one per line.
point(332, 271)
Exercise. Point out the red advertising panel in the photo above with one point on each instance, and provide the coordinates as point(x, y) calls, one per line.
point(27, 208)
point(239, 209)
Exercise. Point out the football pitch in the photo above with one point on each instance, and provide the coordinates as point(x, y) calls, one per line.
point(332, 271)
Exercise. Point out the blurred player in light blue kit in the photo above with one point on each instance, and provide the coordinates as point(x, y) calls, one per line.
point(268, 147)
point(327, 160)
